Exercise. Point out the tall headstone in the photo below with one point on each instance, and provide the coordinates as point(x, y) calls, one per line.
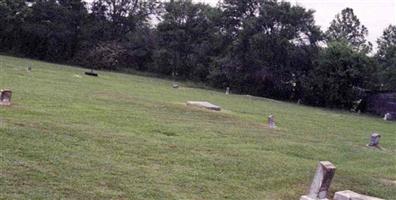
point(321, 182)
point(227, 90)
point(5, 97)
point(374, 140)
point(271, 121)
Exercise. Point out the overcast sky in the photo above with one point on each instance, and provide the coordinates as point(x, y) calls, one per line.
point(376, 15)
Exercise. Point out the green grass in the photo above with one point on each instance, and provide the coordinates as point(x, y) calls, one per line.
point(118, 136)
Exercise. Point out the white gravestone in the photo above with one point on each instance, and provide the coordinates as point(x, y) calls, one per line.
point(321, 182)
point(227, 91)
point(387, 117)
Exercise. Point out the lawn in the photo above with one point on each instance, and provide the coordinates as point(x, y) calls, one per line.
point(119, 136)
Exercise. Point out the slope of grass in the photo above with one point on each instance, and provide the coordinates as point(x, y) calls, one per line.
point(69, 136)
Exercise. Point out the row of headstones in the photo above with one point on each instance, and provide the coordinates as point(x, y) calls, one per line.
point(321, 184)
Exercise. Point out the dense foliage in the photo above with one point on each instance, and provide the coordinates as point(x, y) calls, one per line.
point(262, 47)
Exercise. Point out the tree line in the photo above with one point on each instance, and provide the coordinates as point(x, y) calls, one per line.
point(267, 48)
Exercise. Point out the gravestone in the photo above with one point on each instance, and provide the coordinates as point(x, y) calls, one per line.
point(321, 182)
point(374, 140)
point(175, 85)
point(390, 116)
point(350, 195)
point(203, 104)
point(227, 90)
point(5, 97)
point(271, 121)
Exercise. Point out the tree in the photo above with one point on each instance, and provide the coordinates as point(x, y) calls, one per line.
point(265, 55)
point(386, 57)
point(123, 16)
point(347, 27)
point(186, 40)
point(49, 29)
point(339, 74)
point(12, 16)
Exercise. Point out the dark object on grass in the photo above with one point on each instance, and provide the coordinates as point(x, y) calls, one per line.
point(5, 97)
point(91, 73)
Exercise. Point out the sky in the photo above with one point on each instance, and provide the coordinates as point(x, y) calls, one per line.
point(376, 15)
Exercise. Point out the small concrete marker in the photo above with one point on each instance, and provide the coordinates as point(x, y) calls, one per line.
point(387, 116)
point(271, 121)
point(175, 85)
point(203, 104)
point(350, 195)
point(390, 116)
point(5, 97)
point(321, 182)
point(374, 140)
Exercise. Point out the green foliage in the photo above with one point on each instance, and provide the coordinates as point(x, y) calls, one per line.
point(346, 27)
point(339, 75)
point(386, 57)
point(186, 40)
point(265, 56)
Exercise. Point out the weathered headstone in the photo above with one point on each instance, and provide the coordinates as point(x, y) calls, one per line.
point(5, 97)
point(203, 104)
point(175, 85)
point(387, 117)
point(227, 90)
point(390, 116)
point(350, 195)
point(374, 140)
point(271, 121)
point(321, 182)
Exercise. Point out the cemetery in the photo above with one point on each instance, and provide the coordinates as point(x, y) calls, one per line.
point(135, 137)
point(198, 99)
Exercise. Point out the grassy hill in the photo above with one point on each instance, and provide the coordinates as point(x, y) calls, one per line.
point(118, 136)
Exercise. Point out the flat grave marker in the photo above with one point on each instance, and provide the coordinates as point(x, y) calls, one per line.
point(203, 104)
point(350, 195)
